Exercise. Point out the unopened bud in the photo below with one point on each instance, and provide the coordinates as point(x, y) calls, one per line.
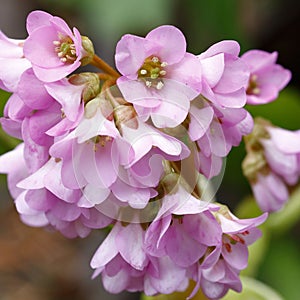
point(253, 164)
point(91, 82)
point(101, 103)
point(125, 115)
point(168, 184)
point(89, 51)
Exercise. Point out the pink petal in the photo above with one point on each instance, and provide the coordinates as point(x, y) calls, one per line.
point(280, 162)
point(258, 59)
point(182, 248)
point(201, 119)
point(117, 283)
point(229, 47)
point(68, 95)
point(107, 250)
point(235, 75)
point(93, 195)
point(187, 71)
point(55, 73)
point(237, 257)
point(213, 68)
point(39, 46)
point(275, 75)
point(171, 277)
point(131, 51)
point(137, 93)
point(236, 99)
point(285, 140)
point(36, 19)
point(136, 197)
point(11, 70)
point(32, 91)
point(130, 244)
point(169, 38)
point(204, 228)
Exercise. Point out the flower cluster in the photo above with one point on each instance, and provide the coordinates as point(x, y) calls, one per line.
point(127, 150)
point(272, 163)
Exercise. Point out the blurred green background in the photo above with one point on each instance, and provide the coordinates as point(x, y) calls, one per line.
point(271, 25)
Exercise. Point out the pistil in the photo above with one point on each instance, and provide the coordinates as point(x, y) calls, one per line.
point(65, 49)
point(152, 72)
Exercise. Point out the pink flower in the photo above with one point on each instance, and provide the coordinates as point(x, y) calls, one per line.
point(125, 265)
point(266, 79)
point(220, 268)
point(215, 139)
point(44, 201)
point(225, 75)
point(52, 47)
point(12, 62)
point(159, 77)
point(273, 166)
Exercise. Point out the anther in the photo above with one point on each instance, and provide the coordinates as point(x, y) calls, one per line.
point(63, 59)
point(227, 247)
point(163, 64)
point(155, 59)
point(159, 85)
point(163, 72)
point(254, 77)
point(56, 43)
point(256, 91)
point(148, 83)
point(68, 57)
point(143, 72)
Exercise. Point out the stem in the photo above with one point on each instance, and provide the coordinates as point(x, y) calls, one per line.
point(177, 170)
point(102, 65)
point(105, 76)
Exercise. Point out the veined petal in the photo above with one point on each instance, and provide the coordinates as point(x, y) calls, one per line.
point(37, 19)
point(131, 51)
point(169, 38)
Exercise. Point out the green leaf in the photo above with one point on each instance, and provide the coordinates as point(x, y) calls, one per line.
point(253, 290)
point(282, 221)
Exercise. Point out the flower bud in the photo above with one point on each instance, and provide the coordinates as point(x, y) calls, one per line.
point(87, 45)
point(91, 82)
point(253, 164)
point(125, 115)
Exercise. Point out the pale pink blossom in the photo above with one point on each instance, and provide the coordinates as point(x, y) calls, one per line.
point(276, 169)
point(53, 49)
point(267, 78)
point(159, 77)
point(225, 75)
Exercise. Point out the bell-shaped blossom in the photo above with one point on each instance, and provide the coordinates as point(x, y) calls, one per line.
point(42, 200)
point(224, 75)
point(128, 259)
point(12, 62)
point(159, 76)
point(267, 78)
point(273, 165)
point(53, 49)
point(226, 128)
point(219, 270)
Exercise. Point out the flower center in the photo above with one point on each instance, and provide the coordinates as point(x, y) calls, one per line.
point(65, 49)
point(152, 71)
point(253, 88)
